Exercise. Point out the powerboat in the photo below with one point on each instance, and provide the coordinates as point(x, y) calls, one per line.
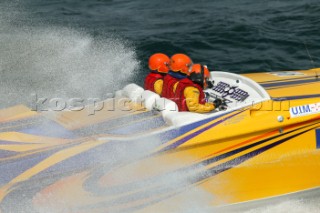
point(137, 152)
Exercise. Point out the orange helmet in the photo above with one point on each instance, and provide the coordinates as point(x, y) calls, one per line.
point(159, 62)
point(180, 63)
point(200, 74)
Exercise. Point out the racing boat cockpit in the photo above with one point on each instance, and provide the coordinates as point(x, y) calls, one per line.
point(235, 91)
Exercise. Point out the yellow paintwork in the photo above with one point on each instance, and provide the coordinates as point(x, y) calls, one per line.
point(266, 77)
point(15, 113)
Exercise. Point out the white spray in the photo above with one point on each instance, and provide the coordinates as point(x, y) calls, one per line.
point(54, 62)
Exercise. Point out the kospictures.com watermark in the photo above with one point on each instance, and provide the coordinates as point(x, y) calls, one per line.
point(93, 105)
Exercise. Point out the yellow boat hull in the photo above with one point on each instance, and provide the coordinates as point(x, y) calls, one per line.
point(268, 149)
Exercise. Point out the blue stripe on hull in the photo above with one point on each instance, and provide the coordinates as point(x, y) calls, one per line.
point(6, 153)
point(188, 137)
point(289, 83)
point(318, 138)
point(287, 80)
point(285, 98)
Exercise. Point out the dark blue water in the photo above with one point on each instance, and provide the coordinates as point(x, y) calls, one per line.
point(74, 41)
point(238, 36)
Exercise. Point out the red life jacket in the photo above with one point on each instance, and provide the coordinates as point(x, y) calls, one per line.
point(150, 80)
point(180, 99)
point(168, 84)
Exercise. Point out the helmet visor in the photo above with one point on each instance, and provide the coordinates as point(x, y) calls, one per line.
point(189, 67)
point(205, 82)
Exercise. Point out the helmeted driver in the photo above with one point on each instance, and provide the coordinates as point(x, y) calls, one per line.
point(189, 94)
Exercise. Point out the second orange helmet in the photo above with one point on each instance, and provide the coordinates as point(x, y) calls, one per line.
point(180, 63)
